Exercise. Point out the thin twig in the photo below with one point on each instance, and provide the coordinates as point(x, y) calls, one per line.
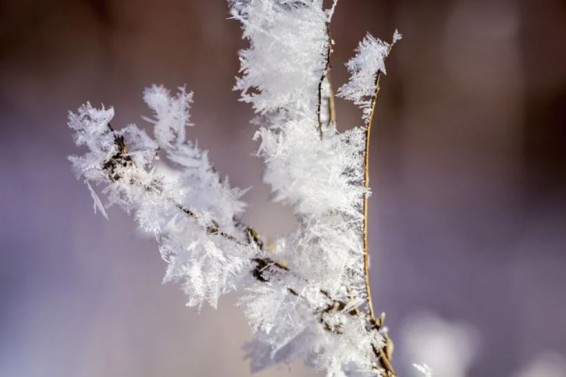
point(383, 354)
point(325, 76)
point(330, 99)
point(366, 196)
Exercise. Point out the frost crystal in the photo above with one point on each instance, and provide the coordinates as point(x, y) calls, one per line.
point(282, 68)
point(306, 296)
point(364, 69)
point(424, 369)
point(171, 113)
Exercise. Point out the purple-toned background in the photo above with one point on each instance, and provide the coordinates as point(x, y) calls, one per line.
point(468, 216)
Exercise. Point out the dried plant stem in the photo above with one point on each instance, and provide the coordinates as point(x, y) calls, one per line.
point(384, 354)
point(370, 310)
point(325, 76)
point(331, 105)
point(373, 101)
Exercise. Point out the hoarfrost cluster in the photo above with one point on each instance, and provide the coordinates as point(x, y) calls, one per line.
point(307, 296)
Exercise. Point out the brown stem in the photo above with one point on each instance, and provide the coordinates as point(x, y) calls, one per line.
point(383, 354)
point(331, 105)
point(325, 76)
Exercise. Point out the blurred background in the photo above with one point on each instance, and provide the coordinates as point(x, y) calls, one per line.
point(468, 216)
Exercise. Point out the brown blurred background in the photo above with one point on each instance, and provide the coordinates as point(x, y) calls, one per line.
point(468, 216)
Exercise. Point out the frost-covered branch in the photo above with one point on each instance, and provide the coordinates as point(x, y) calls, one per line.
point(307, 296)
point(133, 181)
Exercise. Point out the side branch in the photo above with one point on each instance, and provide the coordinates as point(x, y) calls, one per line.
point(378, 323)
point(366, 197)
point(384, 354)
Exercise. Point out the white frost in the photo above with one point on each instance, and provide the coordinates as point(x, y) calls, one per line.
point(364, 68)
point(424, 369)
point(97, 202)
point(171, 114)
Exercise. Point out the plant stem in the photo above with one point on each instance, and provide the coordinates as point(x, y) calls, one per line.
point(366, 197)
